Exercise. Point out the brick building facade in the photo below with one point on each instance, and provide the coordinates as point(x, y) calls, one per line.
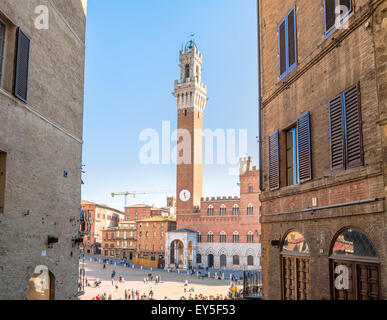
point(41, 112)
point(97, 219)
point(121, 241)
point(151, 235)
point(323, 110)
point(144, 211)
point(220, 232)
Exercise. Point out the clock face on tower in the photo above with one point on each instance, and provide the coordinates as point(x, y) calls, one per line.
point(185, 195)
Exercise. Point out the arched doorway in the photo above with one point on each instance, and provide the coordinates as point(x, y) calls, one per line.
point(210, 260)
point(295, 267)
point(223, 261)
point(177, 252)
point(41, 285)
point(354, 266)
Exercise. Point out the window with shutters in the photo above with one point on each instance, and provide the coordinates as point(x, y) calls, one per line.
point(346, 130)
point(3, 157)
point(335, 14)
point(287, 37)
point(22, 65)
point(296, 164)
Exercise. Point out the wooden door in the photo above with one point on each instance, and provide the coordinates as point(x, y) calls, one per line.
point(363, 281)
point(295, 278)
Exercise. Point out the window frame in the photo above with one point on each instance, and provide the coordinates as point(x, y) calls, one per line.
point(286, 21)
point(296, 162)
point(332, 30)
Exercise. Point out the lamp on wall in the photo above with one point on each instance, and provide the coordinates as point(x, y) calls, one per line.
point(51, 240)
point(275, 243)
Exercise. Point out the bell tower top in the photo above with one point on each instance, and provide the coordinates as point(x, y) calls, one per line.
point(190, 92)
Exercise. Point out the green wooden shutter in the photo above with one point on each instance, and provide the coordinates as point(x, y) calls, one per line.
point(337, 133)
point(304, 148)
point(274, 161)
point(22, 62)
point(282, 47)
point(353, 121)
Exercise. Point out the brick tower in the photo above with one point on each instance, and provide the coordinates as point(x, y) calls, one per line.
point(191, 97)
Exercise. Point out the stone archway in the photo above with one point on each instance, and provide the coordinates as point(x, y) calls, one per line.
point(177, 252)
point(41, 285)
point(354, 266)
point(223, 261)
point(295, 259)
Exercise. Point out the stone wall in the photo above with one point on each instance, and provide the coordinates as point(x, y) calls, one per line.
point(43, 139)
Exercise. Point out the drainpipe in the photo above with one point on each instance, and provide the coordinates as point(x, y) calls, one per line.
point(261, 175)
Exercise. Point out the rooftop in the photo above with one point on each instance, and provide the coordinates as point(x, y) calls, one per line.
point(157, 219)
point(84, 202)
point(184, 230)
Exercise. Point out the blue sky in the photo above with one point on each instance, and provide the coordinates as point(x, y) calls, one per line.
point(132, 58)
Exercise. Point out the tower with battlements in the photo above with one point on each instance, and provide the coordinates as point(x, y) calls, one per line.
point(191, 96)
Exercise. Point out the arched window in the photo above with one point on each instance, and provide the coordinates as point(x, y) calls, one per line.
point(355, 267)
point(187, 71)
point(250, 260)
point(199, 237)
point(235, 210)
point(223, 237)
point(210, 211)
point(295, 267)
point(295, 243)
point(353, 243)
point(250, 210)
point(250, 237)
point(223, 261)
point(210, 237)
point(235, 260)
point(223, 210)
point(235, 237)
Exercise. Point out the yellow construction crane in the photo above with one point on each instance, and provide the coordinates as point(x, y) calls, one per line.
point(134, 194)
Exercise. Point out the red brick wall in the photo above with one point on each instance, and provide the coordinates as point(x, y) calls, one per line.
point(242, 224)
point(154, 243)
point(322, 73)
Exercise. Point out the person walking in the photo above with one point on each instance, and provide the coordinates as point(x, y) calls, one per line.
point(126, 295)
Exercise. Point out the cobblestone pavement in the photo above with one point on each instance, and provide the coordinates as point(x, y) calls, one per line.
point(171, 286)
